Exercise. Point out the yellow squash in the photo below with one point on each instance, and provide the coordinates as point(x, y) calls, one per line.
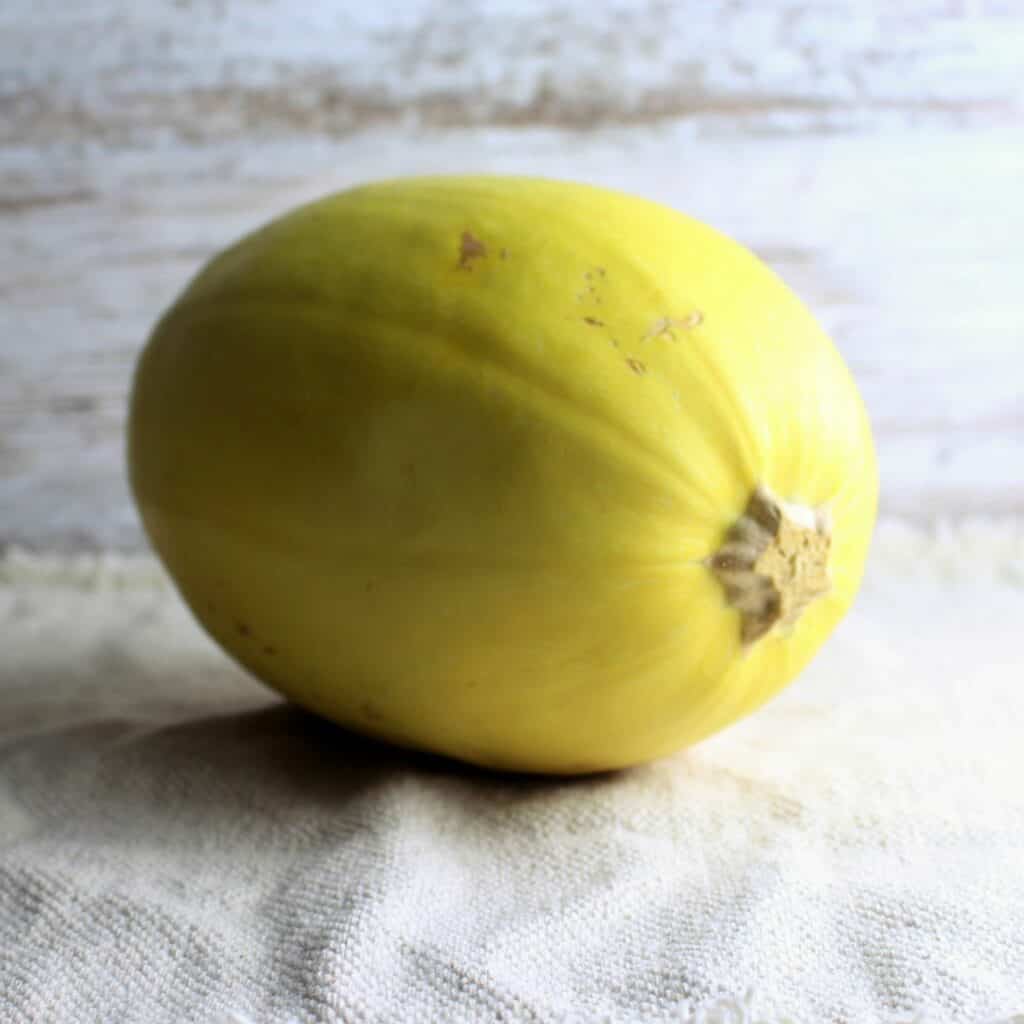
point(534, 474)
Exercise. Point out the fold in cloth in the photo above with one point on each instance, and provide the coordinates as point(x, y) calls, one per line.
point(177, 845)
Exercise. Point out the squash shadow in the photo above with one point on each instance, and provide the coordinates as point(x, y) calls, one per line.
point(271, 766)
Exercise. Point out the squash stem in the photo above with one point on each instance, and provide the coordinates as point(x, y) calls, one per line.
point(773, 563)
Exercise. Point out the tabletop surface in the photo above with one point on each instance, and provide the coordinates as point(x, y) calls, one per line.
point(875, 161)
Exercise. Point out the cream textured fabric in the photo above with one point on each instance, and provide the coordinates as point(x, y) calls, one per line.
point(177, 846)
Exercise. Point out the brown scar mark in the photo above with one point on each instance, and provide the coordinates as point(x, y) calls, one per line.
point(503, 253)
point(242, 628)
point(636, 366)
point(665, 327)
point(470, 248)
point(268, 649)
point(593, 321)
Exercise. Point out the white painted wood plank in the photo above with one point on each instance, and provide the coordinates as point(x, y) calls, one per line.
point(910, 249)
point(119, 72)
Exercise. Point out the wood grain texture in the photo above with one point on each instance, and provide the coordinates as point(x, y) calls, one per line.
point(136, 140)
point(122, 72)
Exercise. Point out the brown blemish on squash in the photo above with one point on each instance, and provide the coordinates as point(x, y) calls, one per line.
point(243, 629)
point(470, 248)
point(667, 326)
point(589, 292)
point(636, 366)
point(593, 321)
point(269, 649)
point(503, 253)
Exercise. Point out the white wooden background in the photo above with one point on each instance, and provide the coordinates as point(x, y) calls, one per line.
point(872, 152)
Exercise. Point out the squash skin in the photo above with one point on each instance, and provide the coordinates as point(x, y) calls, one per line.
point(443, 459)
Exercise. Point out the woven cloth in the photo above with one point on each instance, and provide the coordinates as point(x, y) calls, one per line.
point(177, 845)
